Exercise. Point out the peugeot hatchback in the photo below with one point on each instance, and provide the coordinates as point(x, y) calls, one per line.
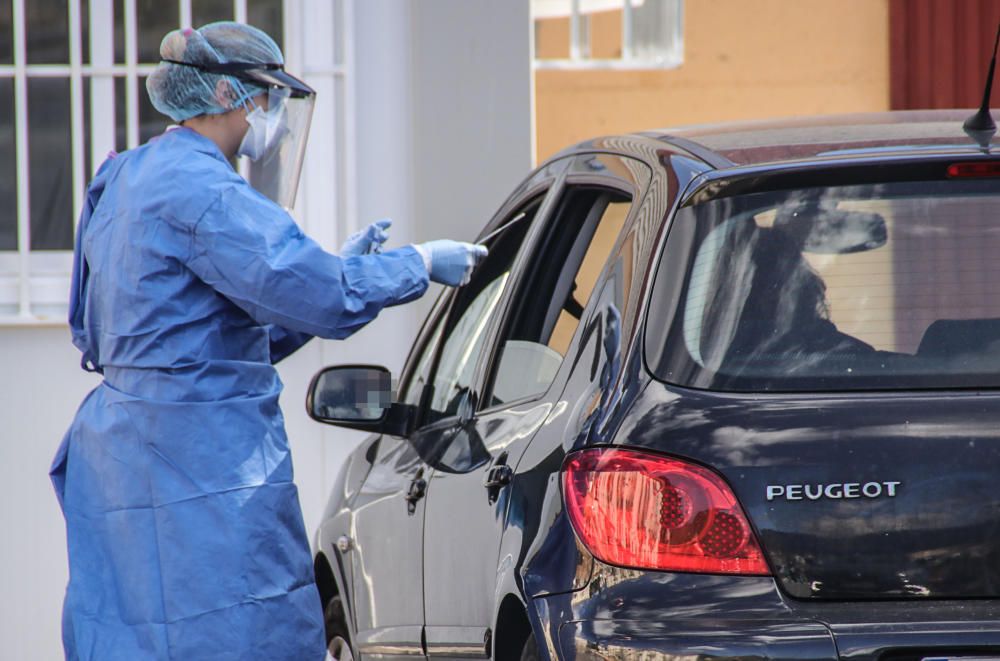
point(719, 393)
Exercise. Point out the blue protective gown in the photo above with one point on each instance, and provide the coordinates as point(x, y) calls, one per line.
point(184, 529)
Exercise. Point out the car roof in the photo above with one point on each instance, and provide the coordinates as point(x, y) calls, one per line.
point(822, 137)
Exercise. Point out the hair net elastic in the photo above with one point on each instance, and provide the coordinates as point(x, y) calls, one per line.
point(182, 92)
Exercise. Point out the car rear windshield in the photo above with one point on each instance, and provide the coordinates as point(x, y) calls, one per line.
point(874, 287)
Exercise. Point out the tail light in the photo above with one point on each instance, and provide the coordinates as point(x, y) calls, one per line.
point(974, 169)
point(642, 510)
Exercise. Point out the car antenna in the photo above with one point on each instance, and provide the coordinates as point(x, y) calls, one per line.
point(980, 126)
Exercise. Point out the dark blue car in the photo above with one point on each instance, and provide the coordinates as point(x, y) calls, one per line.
point(719, 393)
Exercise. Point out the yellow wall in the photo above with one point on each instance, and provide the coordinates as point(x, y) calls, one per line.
point(743, 59)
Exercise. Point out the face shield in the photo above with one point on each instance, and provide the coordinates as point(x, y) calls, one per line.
point(280, 134)
point(276, 139)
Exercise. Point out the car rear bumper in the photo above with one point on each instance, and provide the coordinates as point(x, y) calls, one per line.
point(656, 615)
point(745, 640)
point(696, 639)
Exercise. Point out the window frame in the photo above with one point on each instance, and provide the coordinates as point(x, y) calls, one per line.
point(636, 190)
point(495, 354)
point(545, 197)
point(551, 180)
point(544, 184)
point(671, 56)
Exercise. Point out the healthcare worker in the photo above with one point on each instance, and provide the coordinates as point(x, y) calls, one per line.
point(185, 535)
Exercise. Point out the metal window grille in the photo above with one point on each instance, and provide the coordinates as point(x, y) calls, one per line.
point(97, 59)
point(650, 35)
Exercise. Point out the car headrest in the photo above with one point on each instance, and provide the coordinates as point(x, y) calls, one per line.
point(952, 337)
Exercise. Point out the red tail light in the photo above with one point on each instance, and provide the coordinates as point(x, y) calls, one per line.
point(974, 169)
point(641, 510)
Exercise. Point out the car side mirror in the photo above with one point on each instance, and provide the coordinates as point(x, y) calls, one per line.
point(357, 397)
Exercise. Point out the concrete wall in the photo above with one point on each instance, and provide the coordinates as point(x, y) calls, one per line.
point(43, 385)
point(442, 105)
point(743, 59)
point(471, 116)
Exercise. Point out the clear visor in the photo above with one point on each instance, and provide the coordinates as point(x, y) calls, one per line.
point(276, 172)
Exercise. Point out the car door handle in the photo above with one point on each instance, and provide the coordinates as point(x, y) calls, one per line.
point(498, 476)
point(416, 491)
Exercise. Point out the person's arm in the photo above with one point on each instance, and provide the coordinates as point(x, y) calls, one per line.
point(285, 342)
point(252, 252)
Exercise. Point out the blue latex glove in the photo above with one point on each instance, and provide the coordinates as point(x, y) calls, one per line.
point(366, 241)
point(451, 262)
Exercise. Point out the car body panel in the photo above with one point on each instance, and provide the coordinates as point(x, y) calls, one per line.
point(932, 535)
point(458, 500)
point(829, 136)
point(386, 603)
point(337, 521)
point(625, 615)
point(700, 638)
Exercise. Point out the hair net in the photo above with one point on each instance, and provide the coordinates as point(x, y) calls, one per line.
point(182, 92)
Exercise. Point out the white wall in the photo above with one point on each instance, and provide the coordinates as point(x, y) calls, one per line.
point(43, 384)
point(442, 111)
point(472, 111)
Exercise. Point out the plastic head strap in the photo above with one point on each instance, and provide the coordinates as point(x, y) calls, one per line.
point(237, 70)
point(261, 74)
point(229, 68)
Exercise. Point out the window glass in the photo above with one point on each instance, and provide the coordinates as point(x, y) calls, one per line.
point(884, 286)
point(209, 11)
point(154, 19)
point(456, 369)
point(266, 15)
point(84, 30)
point(50, 171)
point(420, 376)
point(6, 33)
point(469, 319)
point(119, 31)
point(611, 222)
point(47, 25)
point(583, 234)
point(88, 137)
point(121, 105)
point(8, 168)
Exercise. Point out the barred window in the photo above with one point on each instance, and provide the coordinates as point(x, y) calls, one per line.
point(72, 89)
point(608, 34)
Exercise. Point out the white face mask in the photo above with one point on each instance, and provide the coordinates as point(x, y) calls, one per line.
point(267, 128)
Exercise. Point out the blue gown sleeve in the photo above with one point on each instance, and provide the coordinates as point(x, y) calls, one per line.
point(285, 342)
point(90, 361)
point(251, 251)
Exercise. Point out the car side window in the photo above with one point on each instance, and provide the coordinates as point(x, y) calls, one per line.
point(412, 392)
point(472, 308)
point(565, 270)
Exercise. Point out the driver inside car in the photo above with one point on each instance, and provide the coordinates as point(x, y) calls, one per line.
point(786, 316)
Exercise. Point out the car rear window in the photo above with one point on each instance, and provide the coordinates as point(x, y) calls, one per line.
point(882, 286)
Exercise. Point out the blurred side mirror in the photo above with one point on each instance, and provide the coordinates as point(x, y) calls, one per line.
point(356, 397)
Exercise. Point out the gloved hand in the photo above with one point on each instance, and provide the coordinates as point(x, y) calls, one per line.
point(451, 262)
point(368, 240)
